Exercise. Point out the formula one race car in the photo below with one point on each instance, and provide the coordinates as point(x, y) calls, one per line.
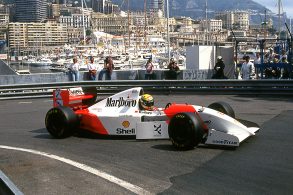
point(124, 114)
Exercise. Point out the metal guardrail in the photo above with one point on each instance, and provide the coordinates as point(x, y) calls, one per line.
point(217, 87)
point(7, 187)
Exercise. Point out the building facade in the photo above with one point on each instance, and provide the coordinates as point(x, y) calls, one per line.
point(36, 35)
point(76, 25)
point(234, 19)
point(30, 10)
point(103, 6)
point(156, 5)
point(116, 25)
point(241, 19)
point(212, 25)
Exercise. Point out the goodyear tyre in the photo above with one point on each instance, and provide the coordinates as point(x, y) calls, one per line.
point(61, 122)
point(223, 107)
point(185, 130)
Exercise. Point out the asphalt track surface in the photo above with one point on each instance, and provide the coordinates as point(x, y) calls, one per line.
point(263, 164)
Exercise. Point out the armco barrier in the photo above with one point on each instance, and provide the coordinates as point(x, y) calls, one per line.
point(218, 87)
point(84, 76)
point(65, 77)
point(7, 187)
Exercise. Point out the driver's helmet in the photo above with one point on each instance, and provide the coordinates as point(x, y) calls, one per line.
point(146, 102)
point(219, 58)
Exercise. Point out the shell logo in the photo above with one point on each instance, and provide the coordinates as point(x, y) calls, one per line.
point(125, 124)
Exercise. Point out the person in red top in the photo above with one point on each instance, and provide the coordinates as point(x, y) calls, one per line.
point(173, 70)
point(149, 72)
point(108, 69)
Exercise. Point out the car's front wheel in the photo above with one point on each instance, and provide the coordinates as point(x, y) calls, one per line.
point(185, 130)
point(61, 122)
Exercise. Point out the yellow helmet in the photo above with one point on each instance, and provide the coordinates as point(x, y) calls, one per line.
point(146, 102)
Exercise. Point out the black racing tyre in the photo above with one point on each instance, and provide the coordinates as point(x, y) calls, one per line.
point(185, 130)
point(223, 107)
point(61, 122)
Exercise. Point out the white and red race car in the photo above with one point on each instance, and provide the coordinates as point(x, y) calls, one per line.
point(120, 114)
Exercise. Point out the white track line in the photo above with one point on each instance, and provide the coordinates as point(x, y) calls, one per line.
point(25, 102)
point(111, 178)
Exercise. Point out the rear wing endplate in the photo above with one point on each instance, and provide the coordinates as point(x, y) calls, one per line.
point(71, 97)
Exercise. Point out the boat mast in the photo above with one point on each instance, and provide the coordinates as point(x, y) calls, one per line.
point(145, 22)
point(128, 24)
point(206, 26)
point(290, 24)
point(265, 29)
point(279, 15)
point(168, 33)
point(83, 23)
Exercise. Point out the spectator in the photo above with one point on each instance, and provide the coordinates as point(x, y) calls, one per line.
point(276, 73)
point(271, 55)
point(247, 69)
point(92, 69)
point(283, 56)
point(219, 69)
point(284, 59)
point(107, 70)
point(173, 69)
point(257, 59)
point(256, 62)
point(149, 72)
point(285, 70)
point(74, 69)
point(236, 68)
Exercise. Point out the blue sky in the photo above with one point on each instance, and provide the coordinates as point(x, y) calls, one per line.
point(272, 5)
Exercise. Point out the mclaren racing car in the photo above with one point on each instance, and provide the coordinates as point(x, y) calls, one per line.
point(122, 114)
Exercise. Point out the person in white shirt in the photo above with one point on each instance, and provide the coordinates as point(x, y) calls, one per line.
point(74, 69)
point(271, 56)
point(247, 69)
point(256, 62)
point(257, 59)
point(283, 56)
point(92, 69)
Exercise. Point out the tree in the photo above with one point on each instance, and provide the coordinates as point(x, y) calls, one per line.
point(88, 32)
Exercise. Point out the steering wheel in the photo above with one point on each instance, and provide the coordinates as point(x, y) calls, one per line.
point(168, 105)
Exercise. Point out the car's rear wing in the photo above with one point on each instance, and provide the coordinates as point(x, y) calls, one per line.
point(72, 97)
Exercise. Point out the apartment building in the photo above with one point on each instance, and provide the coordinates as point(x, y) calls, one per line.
point(234, 19)
point(30, 10)
point(104, 6)
point(113, 24)
point(36, 35)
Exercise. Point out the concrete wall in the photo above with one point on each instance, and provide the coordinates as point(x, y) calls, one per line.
point(6, 70)
point(11, 78)
point(117, 75)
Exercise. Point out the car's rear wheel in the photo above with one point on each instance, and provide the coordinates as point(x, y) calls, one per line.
point(185, 130)
point(61, 122)
point(223, 107)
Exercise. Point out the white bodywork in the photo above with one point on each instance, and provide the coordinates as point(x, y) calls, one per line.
point(120, 115)
point(223, 129)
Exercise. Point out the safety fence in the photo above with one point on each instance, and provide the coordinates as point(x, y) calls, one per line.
point(215, 87)
point(7, 187)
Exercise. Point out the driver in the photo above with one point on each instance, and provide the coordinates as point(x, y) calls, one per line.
point(146, 102)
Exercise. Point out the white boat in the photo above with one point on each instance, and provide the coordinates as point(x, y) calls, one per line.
point(58, 68)
point(39, 62)
point(22, 72)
